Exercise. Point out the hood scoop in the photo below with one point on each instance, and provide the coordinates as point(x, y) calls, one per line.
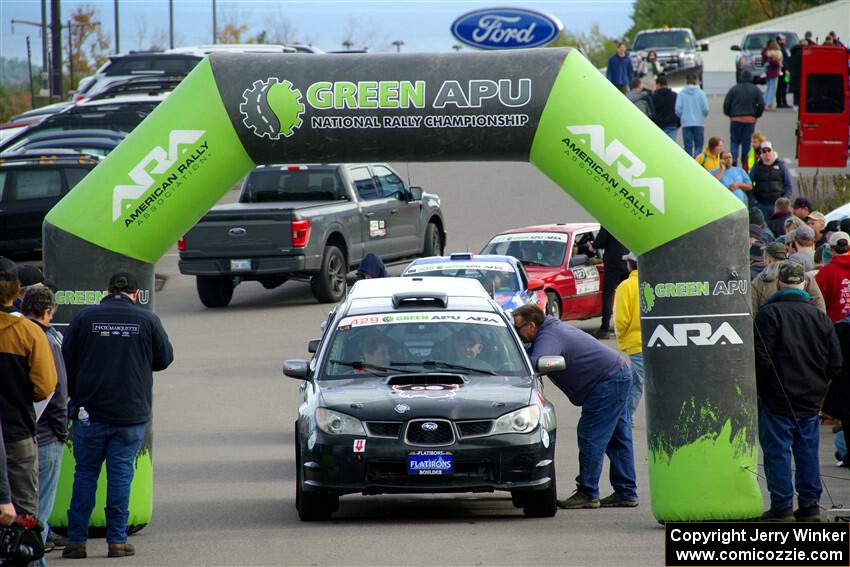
point(425, 379)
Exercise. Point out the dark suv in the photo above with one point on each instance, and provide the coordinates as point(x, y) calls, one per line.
point(31, 183)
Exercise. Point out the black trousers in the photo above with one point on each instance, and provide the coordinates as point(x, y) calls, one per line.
point(610, 281)
point(781, 92)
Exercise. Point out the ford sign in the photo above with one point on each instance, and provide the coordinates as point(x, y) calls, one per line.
point(506, 28)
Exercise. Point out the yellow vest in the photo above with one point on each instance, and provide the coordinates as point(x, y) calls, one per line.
point(627, 315)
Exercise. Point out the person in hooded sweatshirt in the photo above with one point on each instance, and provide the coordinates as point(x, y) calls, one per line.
point(371, 267)
point(664, 101)
point(834, 278)
point(744, 104)
point(692, 108)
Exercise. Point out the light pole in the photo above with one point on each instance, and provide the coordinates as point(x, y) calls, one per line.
point(398, 43)
point(171, 24)
point(215, 25)
point(348, 44)
point(117, 36)
point(456, 47)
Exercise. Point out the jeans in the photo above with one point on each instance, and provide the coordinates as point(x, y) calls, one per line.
point(638, 378)
point(780, 437)
point(692, 139)
point(671, 131)
point(604, 429)
point(770, 93)
point(22, 470)
point(740, 136)
point(49, 465)
point(840, 441)
point(117, 445)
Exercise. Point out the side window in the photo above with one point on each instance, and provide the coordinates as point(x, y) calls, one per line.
point(824, 94)
point(35, 184)
point(2, 184)
point(391, 185)
point(364, 184)
point(74, 175)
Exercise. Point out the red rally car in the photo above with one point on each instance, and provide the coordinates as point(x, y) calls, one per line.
point(563, 256)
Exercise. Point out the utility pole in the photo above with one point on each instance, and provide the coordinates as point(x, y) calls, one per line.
point(398, 43)
point(215, 25)
point(56, 48)
point(29, 65)
point(348, 44)
point(70, 54)
point(171, 24)
point(117, 35)
point(45, 57)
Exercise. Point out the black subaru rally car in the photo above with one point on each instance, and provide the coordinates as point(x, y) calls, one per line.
point(421, 385)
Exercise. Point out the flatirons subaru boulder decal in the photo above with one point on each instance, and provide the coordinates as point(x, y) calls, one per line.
point(506, 28)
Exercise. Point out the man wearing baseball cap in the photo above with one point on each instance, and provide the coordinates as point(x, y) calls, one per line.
point(834, 278)
point(790, 389)
point(817, 221)
point(770, 178)
point(111, 351)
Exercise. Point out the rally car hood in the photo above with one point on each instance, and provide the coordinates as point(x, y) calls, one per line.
point(542, 272)
point(451, 396)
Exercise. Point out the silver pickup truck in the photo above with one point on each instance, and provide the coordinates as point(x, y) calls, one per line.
point(309, 221)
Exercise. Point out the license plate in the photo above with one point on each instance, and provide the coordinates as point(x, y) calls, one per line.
point(240, 265)
point(430, 463)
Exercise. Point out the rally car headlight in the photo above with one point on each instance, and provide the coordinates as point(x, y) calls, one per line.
point(336, 423)
point(520, 421)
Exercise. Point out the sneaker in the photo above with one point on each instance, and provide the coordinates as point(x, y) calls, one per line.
point(74, 551)
point(807, 514)
point(780, 515)
point(617, 501)
point(57, 540)
point(121, 550)
point(580, 499)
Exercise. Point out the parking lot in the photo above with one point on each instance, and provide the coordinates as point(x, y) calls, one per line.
point(223, 425)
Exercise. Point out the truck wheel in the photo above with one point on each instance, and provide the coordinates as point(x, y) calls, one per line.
point(553, 304)
point(542, 503)
point(433, 242)
point(215, 291)
point(328, 286)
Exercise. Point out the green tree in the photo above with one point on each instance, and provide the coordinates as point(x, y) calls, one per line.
point(595, 45)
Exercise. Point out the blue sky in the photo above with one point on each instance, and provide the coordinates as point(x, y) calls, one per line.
point(422, 26)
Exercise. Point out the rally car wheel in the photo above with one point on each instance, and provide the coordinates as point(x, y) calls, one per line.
point(542, 503)
point(553, 304)
point(312, 506)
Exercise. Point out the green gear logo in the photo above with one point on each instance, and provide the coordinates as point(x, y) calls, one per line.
point(272, 108)
point(647, 297)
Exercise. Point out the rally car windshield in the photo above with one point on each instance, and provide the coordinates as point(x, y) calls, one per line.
point(495, 277)
point(459, 342)
point(532, 249)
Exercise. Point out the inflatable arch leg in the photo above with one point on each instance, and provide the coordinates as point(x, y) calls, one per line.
point(549, 106)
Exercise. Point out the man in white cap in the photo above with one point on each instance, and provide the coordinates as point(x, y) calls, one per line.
point(627, 327)
point(834, 278)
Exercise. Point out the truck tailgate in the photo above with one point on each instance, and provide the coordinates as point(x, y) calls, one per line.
point(250, 233)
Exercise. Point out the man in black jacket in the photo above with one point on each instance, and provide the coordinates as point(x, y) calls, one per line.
point(771, 180)
point(664, 101)
point(744, 104)
point(791, 381)
point(615, 272)
point(111, 351)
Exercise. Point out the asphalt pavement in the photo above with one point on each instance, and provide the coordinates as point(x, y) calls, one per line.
point(223, 425)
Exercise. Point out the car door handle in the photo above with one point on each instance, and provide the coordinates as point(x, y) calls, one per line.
point(370, 214)
point(394, 211)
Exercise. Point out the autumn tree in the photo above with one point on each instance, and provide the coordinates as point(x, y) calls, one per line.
point(595, 45)
point(89, 44)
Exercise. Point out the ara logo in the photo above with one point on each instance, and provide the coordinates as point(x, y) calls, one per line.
point(699, 334)
point(629, 166)
point(272, 108)
point(162, 161)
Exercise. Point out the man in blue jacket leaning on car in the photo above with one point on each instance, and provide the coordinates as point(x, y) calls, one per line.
point(597, 379)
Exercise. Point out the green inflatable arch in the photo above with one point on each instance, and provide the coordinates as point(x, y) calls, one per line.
point(547, 106)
